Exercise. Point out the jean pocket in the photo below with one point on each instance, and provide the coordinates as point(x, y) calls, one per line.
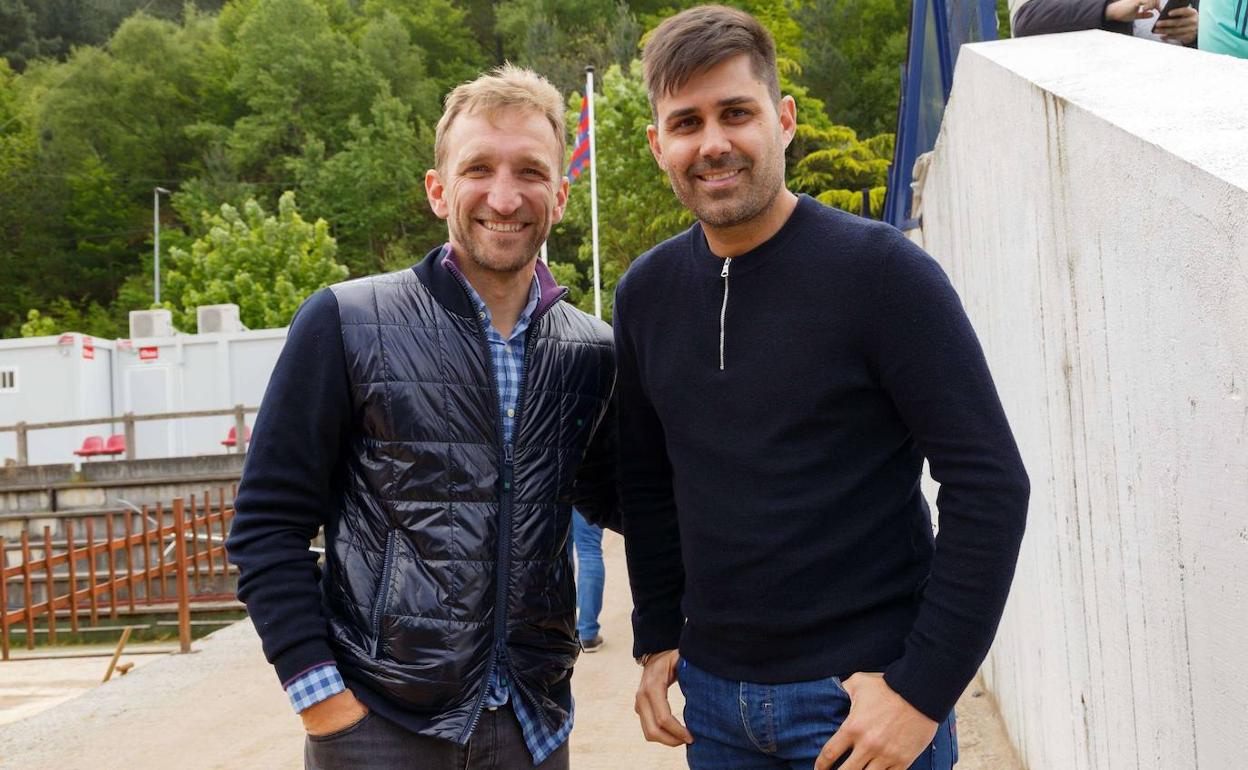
point(342, 733)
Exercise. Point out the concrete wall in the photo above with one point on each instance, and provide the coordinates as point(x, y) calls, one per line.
point(1089, 198)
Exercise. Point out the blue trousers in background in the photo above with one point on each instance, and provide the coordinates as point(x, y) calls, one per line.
point(747, 726)
point(590, 574)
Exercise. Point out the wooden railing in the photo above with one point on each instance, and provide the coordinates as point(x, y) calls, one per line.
point(131, 568)
point(128, 420)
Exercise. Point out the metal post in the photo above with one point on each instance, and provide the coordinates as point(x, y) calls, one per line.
point(593, 188)
point(184, 607)
point(4, 601)
point(240, 430)
point(22, 455)
point(51, 583)
point(128, 421)
point(156, 191)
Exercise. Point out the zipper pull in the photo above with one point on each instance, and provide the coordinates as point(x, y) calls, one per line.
point(507, 453)
point(723, 312)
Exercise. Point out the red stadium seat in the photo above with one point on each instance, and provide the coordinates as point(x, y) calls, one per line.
point(232, 438)
point(116, 445)
point(91, 446)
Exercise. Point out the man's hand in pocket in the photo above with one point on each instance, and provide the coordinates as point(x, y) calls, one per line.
point(337, 712)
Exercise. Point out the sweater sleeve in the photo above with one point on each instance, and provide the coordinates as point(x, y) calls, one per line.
point(285, 490)
point(1047, 17)
point(656, 572)
point(929, 360)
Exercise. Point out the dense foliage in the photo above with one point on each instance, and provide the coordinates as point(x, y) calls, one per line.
point(232, 104)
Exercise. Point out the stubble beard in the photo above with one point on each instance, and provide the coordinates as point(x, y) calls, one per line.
point(737, 207)
point(498, 260)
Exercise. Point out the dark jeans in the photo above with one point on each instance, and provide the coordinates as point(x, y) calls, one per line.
point(746, 726)
point(375, 743)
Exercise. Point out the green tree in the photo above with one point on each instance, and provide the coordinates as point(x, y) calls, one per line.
point(62, 315)
point(265, 264)
point(372, 191)
point(438, 28)
point(833, 165)
point(300, 78)
point(560, 37)
point(854, 50)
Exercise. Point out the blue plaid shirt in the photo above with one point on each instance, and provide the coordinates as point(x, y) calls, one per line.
point(507, 358)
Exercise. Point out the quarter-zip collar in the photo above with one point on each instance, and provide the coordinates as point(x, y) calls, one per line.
point(729, 267)
point(759, 255)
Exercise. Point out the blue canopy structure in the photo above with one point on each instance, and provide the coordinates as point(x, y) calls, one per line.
point(938, 28)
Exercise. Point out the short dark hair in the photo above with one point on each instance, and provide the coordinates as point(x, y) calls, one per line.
point(695, 40)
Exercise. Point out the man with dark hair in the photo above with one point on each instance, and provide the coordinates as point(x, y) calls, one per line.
point(439, 422)
point(784, 370)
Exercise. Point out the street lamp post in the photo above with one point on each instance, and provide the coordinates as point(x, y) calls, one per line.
point(156, 227)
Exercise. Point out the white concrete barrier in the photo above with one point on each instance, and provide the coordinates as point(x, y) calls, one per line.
point(1088, 196)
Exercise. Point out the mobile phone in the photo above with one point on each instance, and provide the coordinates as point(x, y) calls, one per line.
point(1171, 6)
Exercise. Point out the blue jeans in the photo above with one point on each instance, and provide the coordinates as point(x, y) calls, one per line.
point(746, 726)
point(590, 575)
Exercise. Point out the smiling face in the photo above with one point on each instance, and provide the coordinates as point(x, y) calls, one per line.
point(721, 139)
point(499, 188)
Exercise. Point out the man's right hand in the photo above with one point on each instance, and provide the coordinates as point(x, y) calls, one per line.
point(1130, 10)
point(657, 722)
point(337, 712)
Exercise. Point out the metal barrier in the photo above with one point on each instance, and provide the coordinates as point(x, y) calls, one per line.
point(128, 420)
point(167, 545)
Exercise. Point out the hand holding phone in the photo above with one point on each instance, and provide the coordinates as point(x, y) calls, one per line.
point(1167, 13)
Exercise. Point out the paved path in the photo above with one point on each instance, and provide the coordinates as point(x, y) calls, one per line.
point(221, 708)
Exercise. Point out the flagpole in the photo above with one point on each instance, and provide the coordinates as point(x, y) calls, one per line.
point(593, 188)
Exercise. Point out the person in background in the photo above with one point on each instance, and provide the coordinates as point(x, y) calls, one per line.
point(1224, 27)
point(590, 579)
point(1128, 17)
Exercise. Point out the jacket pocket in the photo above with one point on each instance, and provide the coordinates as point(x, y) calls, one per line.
point(383, 588)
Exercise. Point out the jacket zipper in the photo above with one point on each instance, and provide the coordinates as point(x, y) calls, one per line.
point(383, 590)
point(506, 460)
point(723, 311)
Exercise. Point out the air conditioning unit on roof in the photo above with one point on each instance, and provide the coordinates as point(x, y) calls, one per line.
point(212, 319)
point(151, 323)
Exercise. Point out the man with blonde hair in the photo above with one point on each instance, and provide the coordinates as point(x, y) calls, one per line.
point(439, 423)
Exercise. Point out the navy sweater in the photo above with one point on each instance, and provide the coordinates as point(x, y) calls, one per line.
point(774, 522)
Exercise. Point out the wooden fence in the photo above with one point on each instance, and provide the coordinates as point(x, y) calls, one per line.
point(183, 545)
point(22, 430)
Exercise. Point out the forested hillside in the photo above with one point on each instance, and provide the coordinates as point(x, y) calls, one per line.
point(312, 120)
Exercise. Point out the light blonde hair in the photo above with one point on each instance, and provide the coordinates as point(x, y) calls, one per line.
point(504, 87)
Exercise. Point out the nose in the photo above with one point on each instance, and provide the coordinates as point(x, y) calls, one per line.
point(504, 196)
point(715, 142)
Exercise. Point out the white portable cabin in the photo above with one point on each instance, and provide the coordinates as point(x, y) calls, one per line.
point(193, 372)
point(72, 376)
point(51, 379)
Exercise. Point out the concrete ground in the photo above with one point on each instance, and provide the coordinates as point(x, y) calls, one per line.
point(221, 708)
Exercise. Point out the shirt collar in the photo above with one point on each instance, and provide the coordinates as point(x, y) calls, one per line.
point(483, 311)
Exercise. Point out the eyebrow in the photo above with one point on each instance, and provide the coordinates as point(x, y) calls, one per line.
point(731, 101)
point(527, 160)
